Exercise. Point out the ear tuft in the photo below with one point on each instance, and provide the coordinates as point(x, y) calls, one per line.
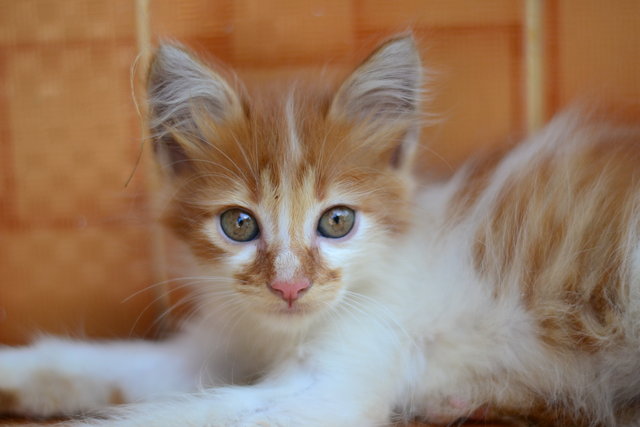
point(387, 85)
point(181, 91)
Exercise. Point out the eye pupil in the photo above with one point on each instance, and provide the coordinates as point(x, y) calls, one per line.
point(239, 225)
point(336, 222)
point(242, 219)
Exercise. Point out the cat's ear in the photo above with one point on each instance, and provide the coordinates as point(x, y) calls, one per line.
point(385, 93)
point(183, 94)
point(387, 85)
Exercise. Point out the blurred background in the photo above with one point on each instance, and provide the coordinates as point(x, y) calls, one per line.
point(78, 248)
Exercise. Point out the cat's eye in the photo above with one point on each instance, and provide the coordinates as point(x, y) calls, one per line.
point(336, 222)
point(239, 225)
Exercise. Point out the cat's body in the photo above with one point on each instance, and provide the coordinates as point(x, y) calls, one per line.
point(336, 294)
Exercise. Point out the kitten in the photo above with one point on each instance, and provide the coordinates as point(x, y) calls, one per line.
point(333, 293)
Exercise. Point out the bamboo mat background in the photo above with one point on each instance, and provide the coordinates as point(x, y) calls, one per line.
point(77, 247)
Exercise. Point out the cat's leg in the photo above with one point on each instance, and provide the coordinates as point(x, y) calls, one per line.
point(352, 380)
point(62, 377)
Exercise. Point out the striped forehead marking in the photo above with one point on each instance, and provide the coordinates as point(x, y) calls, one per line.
point(293, 148)
point(289, 184)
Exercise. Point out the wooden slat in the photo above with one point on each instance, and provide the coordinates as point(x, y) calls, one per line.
point(64, 21)
point(599, 50)
point(534, 65)
point(157, 249)
point(475, 92)
point(74, 282)
point(283, 32)
point(402, 14)
point(70, 129)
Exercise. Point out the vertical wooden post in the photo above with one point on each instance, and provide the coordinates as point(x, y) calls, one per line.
point(157, 241)
point(534, 64)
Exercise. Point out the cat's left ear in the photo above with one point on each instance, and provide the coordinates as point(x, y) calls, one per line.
point(386, 89)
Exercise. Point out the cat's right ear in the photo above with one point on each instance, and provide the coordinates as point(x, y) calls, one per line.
point(184, 96)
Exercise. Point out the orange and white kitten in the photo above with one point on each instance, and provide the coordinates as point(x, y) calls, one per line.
point(333, 292)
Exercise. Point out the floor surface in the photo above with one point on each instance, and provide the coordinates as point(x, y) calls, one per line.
point(24, 423)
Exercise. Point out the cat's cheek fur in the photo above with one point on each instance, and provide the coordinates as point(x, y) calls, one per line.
point(338, 252)
point(241, 253)
point(350, 255)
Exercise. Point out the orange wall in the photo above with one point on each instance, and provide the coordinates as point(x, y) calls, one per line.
point(75, 243)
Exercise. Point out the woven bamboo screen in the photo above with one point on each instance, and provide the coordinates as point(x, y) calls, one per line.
point(78, 248)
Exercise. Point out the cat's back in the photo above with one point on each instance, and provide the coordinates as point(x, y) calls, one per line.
point(559, 217)
point(555, 221)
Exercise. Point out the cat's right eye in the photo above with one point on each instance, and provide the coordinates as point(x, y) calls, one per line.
point(239, 225)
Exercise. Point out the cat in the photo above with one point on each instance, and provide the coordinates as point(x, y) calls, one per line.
point(335, 289)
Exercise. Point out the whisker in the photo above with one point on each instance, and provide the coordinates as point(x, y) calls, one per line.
point(164, 282)
point(171, 290)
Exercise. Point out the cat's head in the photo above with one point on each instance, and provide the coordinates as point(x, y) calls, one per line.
point(290, 199)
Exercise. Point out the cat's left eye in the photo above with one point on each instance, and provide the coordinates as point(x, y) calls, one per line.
point(336, 222)
point(239, 225)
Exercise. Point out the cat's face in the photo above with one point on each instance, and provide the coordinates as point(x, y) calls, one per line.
point(287, 199)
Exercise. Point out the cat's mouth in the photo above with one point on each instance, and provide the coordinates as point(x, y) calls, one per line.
point(301, 307)
point(292, 315)
point(293, 310)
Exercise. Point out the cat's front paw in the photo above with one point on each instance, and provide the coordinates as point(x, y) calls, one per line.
point(48, 394)
point(30, 387)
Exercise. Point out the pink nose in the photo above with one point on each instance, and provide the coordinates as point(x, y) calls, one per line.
point(290, 290)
